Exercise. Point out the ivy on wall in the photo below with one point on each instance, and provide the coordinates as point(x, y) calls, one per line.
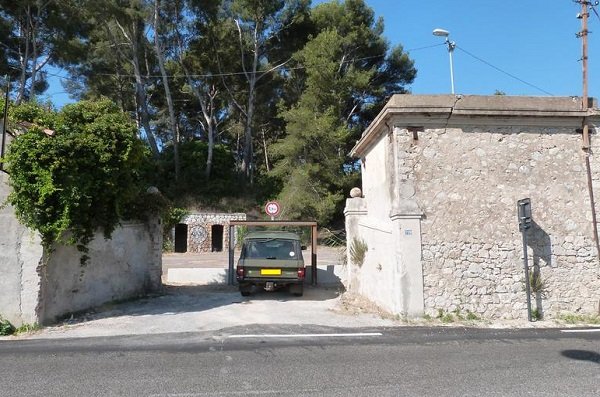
point(84, 177)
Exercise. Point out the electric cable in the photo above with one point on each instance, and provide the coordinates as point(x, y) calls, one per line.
point(503, 71)
point(225, 74)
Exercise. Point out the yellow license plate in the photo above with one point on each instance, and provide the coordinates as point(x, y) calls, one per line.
point(270, 272)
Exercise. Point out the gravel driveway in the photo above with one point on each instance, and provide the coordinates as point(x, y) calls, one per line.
point(213, 308)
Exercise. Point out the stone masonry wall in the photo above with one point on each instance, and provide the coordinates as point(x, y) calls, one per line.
point(468, 184)
point(200, 229)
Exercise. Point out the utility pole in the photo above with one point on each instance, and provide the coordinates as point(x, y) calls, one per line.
point(584, 50)
point(583, 35)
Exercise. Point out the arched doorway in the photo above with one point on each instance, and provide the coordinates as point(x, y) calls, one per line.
point(181, 236)
point(216, 232)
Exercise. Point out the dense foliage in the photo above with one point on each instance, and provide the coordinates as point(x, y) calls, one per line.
point(84, 177)
point(242, 100)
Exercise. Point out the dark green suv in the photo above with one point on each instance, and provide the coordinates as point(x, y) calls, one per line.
point(271, 260)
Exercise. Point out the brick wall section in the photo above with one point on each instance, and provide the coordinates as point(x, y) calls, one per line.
point(469, 180)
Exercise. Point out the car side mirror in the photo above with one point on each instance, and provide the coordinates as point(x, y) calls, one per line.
point(303, 247)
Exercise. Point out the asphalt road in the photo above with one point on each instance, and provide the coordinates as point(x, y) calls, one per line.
point(258, 361)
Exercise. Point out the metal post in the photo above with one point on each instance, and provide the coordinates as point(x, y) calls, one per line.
point(451, 46)
point(231, 247)
point(313, 256)
point(584, 59)
point(526, 265)
point(524, 217)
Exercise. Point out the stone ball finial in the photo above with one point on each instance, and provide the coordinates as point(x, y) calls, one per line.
point(355, 192)
point(152, 190)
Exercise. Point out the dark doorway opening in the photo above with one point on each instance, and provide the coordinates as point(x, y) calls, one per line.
point(181, 235)
point(217, 237)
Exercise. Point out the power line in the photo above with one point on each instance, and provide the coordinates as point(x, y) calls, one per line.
point(503, 71)
point(225, 74)
point(229, 74)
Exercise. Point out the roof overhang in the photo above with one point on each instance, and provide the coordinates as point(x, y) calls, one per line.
point(456, 111)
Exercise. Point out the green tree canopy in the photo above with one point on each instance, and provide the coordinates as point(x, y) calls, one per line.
point(348, 72)
point(83, 178)
point(264, 97)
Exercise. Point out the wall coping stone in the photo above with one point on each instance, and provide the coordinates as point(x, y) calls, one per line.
point(445, 111)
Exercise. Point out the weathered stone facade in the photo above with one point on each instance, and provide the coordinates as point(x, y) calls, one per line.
point(207, 232)
point(471, 180)
point(460, 164)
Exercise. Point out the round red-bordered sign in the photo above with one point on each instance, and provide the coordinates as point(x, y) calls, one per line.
point(272, 208)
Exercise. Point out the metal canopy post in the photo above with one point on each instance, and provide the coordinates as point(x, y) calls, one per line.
point(230, 277)
point(313, 256)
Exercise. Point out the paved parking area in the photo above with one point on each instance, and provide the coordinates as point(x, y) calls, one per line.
point(219, 308)
point(210, 268)
point(213, 308)
point(193, 307)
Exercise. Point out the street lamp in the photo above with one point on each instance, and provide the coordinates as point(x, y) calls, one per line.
point(451, 45)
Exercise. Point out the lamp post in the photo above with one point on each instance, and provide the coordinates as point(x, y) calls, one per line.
point(451, 45)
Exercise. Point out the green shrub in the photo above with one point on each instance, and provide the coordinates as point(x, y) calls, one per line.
point(570, 318)
point(27, 328)
point(472, 316)
point(84, 178)
point(358, 251)
point(6, 328)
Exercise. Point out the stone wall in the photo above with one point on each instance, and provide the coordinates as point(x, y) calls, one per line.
point(389, 225)
point(199, 237)
point(20, 259)
point(452, 168)
point(38, 289)
point(469, 181)
point(128, 265)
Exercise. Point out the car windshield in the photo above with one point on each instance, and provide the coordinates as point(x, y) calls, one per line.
point(271, 249)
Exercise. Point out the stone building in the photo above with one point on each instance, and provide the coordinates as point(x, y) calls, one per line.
point(204, 232)
point(441, 177)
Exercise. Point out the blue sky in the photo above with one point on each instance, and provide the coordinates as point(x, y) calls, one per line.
point(533, 40)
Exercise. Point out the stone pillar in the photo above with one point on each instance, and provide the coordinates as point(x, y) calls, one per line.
point(406, 229)
point(406, 234)
point(154, 226)
point(356, 208)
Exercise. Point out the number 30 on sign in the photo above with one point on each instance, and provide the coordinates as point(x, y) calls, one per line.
point(272, 208)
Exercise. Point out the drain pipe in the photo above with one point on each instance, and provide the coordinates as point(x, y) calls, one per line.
point(588, 167)
point(4, 124)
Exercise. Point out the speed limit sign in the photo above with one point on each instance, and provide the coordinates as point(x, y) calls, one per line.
point(272, 208)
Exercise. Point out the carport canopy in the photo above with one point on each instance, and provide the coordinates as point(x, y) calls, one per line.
point(313, 242)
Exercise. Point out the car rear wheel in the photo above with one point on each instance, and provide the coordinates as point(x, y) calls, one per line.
point(297, 289)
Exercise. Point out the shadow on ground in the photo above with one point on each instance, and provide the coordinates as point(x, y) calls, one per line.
point(583, 355)
point(189, 299)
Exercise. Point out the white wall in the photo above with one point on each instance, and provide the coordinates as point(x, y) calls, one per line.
point(127, 265)
point(20, 255)
point(391, 274)
point(38, 290)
